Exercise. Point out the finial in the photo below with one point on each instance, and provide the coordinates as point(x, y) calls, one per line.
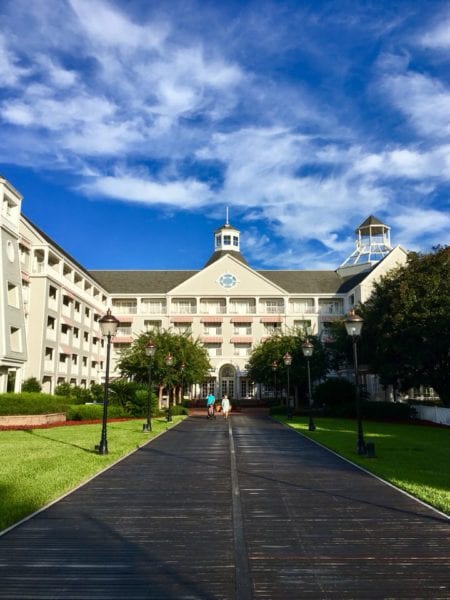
point(227, 223)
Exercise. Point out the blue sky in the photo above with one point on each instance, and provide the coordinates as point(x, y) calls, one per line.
point(129, 126)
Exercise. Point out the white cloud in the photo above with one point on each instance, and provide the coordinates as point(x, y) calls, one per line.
point(105, 25)
point(438, 37)
point(11, 72)
point(187, 194)
point(418, 227)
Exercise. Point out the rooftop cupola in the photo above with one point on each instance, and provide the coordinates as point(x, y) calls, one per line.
point(373, 243)
point(227, 241)
point(227, 237)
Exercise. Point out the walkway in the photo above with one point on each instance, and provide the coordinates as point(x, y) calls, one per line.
point(236, 509)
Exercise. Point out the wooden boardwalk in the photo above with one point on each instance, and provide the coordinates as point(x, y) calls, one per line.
point(236, 509)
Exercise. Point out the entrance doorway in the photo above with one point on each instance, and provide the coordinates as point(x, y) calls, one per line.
point(227, 381)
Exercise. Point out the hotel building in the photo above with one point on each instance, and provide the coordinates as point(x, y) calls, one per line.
point(50, 304)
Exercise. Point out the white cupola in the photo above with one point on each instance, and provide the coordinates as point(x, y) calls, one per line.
point(373, 243)
point(227, 238)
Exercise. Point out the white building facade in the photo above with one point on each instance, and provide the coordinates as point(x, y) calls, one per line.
point(50, 304)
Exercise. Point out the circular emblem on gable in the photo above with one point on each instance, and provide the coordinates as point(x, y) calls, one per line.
point(227, 280)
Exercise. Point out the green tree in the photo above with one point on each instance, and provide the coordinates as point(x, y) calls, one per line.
point(406, 329)
point(190, 360)
point(273, 349)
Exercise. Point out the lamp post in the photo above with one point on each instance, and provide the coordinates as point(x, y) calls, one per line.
point(353, 325)
point(150, 350)
point(108, 326)
point(308, 349)
point(274, 366)
point(182, 367)
point(169, 363)
point(287, 359)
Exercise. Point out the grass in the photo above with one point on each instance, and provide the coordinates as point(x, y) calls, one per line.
point(39, 465)
point(413, 457)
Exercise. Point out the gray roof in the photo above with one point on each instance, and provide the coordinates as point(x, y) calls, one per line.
point(161, 282)
point(141, 282)
point(219, 253)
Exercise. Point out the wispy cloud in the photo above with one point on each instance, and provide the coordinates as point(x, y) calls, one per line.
point(311, 132)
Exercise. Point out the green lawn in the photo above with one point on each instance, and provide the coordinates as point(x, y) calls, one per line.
point(415, 458)
point(39, 465)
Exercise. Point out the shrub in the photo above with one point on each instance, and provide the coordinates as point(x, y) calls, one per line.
point(334, 392)
point(32, 403)
point(387, 410)
point(92, 412)
point(31, 385)
point(63, 389)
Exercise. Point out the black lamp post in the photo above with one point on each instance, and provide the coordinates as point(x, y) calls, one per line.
point(150, 350)
point(108, 326)
point(274, 366)
point(182, 368)
point(287, 359)
point(353, 325)
point(308, 349)
point(169, 363)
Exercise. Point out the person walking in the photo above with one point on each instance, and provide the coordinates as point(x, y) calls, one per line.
point(210, 402)
point(226, 406)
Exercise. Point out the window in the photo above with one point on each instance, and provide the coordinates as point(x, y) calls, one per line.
point(302, 305)
point(153, 306)
point(213, 349)
point(212, 329)
point(76, 333)
point(332, 306)
point(124, 329)
point(66, 300)
point(242, 349)
point(186, 306)
point(303, 325)
point(124, 306)
point(227, 240)
point(52, 292)
point(85, 336)
point(49, 353)
point(218, 241)
point(85, 361)
point(235, 240)
point(272, 328)
point(15, 338)
point(182, 328)
point(87, 312)
point(213, 306)
point(273, 305)
point(243, 329)
point(65, 329)
point(77, 306)
point(50, 322)
point(242, 306)
point(74, 359)
point(152, 325)
point(62, 357)
point(13, 295)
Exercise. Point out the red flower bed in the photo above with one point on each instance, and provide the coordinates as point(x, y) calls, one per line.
point(86, 422)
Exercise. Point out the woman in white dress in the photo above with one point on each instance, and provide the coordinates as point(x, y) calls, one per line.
point(226, 407)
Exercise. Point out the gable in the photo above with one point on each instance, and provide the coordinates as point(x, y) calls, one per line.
point(241, 280)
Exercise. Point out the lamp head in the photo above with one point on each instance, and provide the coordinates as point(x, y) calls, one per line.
point(108, 323)
point(287, 358)
point(353, 324)
point(307, 349)
point(150, 349)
